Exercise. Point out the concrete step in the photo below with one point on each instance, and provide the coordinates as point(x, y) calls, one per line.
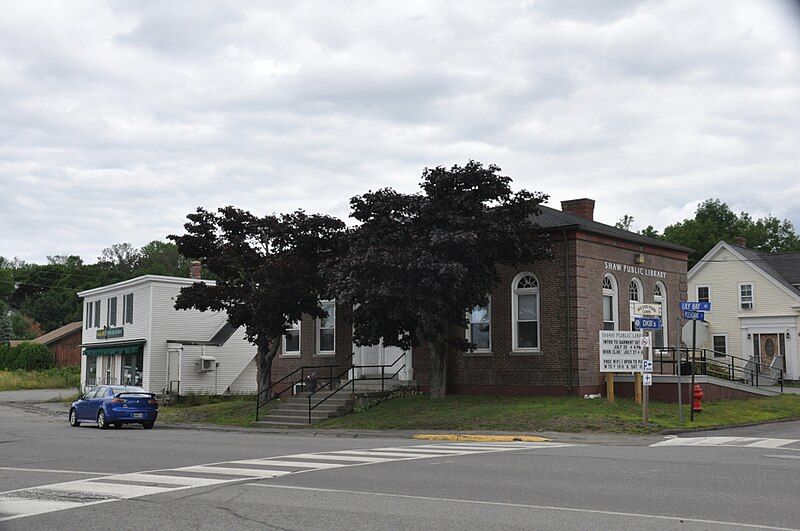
point(304, 413)
point(322, 407)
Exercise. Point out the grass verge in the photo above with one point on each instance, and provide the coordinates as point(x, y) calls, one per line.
point(565, 414)
point(205, 409)
point(64, 378)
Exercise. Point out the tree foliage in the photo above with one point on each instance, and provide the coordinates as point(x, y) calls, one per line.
point(416, 263)
point(715, 221)
point(268, 271)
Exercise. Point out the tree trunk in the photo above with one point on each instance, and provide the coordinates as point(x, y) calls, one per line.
point(267, 350)
point(438, 376)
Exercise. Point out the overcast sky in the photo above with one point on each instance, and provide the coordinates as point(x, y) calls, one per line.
point(119, 118)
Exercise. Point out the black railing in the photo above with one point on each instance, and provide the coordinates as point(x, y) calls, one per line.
point(352, 381)
point(304, 372)
point(708, 362)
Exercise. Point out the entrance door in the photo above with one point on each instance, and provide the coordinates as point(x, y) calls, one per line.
point(132, 366)
point(767, 347)
point(379, 354)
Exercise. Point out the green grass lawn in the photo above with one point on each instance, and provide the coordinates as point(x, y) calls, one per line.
point(220, 410)
point(568, 414)
point(67, 377)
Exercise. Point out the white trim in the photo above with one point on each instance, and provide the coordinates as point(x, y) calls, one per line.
point(703, 261)
point(319, 351)
point(664, 302)
point(468, 331)
point(515, 310)
point(614, 294)
point(752, 295)
point(697, 292)
point(143, 280)
point(725, 335)
point(294, 353)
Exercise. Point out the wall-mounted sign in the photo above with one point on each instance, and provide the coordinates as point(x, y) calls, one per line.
point(620, 351)
point(645, 309)
point(110, 333)
point(636, 270)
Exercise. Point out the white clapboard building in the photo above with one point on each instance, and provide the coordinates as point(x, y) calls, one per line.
point(755, 304)
point(133, 335)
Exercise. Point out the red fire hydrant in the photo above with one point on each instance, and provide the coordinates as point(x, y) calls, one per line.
point(698, 396)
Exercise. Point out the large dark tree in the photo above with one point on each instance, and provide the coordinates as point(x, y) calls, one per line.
point(267, 269)
point(417, 262)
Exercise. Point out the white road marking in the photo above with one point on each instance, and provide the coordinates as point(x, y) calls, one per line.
point(54, 471)
point(107, 488)
point(676, 519)
point(784, 456)
point(741, 442)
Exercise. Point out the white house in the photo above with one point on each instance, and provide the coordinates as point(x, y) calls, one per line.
point(755, 303)
point(132, 334)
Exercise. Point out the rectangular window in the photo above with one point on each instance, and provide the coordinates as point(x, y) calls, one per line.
point(608, 312)
point(720, 345)
point(89, 319)
point(111, 318)
point(291, 340)
point(326, 329)
point(479, 331)
point(746, 296)
point(97, 314)
point(528, 320)
point(127, 308)
point(703, 294)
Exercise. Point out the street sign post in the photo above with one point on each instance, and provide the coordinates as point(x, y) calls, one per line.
point(647, 380)
point(694, 311)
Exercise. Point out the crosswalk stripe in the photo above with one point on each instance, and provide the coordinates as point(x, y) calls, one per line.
point(40, 499)
point(296, 464)
point(739, 442)
point(332, 457)
point(116, 490)
point(187, 481)
point(251, 472)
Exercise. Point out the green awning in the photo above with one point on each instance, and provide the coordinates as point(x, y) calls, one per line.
point(111, 350)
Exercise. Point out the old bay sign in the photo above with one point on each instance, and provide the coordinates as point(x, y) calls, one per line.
point(620, 351)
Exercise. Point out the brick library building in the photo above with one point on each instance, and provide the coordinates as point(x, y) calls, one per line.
point(539, 334)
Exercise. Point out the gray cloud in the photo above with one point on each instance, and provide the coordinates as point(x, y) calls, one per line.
point(120, 118)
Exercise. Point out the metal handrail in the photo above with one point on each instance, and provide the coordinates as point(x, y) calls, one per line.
point(301, 370)
point(352, 381)
point(734, 372)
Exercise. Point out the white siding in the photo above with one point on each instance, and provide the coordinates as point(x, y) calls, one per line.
point(772, 305)
point(157, 322)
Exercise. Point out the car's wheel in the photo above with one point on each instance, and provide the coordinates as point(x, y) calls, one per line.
point(73, 418)
point(147, 425)
point(102, 423)
point(118, 425)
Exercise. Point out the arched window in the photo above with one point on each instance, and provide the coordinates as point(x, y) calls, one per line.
point(661, 337)
point(610, 311)
point(525, 312)
point(635, 293)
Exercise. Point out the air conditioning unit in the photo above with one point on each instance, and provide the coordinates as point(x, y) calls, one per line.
point(206, 364)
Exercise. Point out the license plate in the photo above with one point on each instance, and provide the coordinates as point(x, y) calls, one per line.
point(138, 415)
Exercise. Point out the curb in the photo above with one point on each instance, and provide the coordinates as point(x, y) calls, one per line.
point(479, 438)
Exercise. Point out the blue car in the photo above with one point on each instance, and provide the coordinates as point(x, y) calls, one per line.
point(113, 405)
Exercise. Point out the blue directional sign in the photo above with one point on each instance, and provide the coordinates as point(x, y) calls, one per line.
point(694, 316)
point(647, 323)
point(696, 306)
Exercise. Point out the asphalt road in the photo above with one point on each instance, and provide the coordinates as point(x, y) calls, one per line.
point(714, 480)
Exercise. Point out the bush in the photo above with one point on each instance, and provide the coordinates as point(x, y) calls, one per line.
point(27, 356)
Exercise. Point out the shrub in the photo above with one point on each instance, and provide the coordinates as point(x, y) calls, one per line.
point(29, 356)
point(5, 357)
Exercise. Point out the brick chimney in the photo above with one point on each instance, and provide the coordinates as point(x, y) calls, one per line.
point(195, 270)
point(580, 207)
point(741, 241)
